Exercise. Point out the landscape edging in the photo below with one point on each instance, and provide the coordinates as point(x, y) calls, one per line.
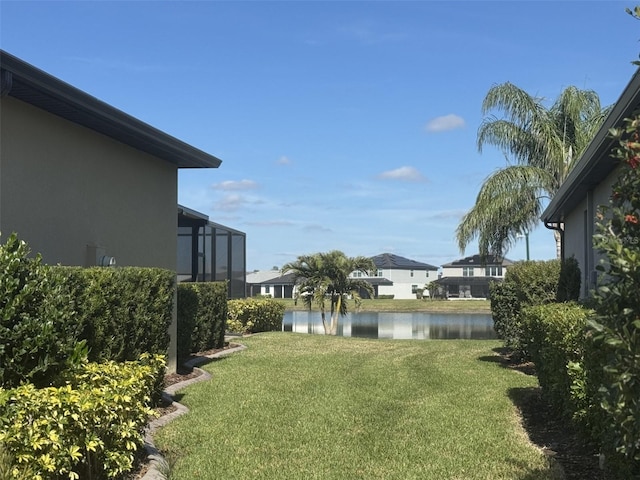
point(154, 458)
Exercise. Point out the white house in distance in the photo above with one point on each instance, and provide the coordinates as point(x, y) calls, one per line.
point(394, 275)
point(469, 277)
point(398, 276)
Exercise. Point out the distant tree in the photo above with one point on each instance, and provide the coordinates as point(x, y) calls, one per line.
point(544, 144)
point(322, 277)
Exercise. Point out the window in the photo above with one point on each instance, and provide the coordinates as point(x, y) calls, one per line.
point(467, 271)
point(414, 288)
point(427, 273)
point(380, 273)
point(493, 271)
point(412, 273)
point(267, 289)
point(357, 274)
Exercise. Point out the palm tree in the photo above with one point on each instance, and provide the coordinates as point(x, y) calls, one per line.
point(543, 145)
point(326, 276)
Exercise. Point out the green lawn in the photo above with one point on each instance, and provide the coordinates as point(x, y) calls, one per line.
point(295, 406)
point(412, 305)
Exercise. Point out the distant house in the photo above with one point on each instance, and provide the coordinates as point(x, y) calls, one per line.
point(398, 276)
point(83, 182)
point(469, 277)
point(256, 282)
point(588, 185)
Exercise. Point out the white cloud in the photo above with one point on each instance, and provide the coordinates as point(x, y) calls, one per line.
point(271, 223)
point(444, 123)
point(234, 201)
point(407, 174)
point(283, 160)
point(235, 185)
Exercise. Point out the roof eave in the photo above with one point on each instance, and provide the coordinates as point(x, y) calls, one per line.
point(594, 164)
point(36, 87)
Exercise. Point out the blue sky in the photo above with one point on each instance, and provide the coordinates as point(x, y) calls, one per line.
point(340, 125)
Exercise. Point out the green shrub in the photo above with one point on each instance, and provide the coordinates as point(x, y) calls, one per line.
point(525, 284)
point(554, 336)
point(91, 427)
point(568, 289)
point(616, 330)
point(386, 297)
point(202, 315)
point(123, 312)
point(38, 330)
point(255, 315)
point(504, 310)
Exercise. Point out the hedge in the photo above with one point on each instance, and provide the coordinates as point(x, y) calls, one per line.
point(38, 326)
point(90, 427)
point(202, 315)
point(554, 336)
point(123, 312)
point(255, 315)
point(525, 284)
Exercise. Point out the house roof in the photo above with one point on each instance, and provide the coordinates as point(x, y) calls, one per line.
point(36, 87)
point(262, 276)
point(596, 162)
point(395, 262)
point(475, 260)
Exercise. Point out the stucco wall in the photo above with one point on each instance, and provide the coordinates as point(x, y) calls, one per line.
point(579, 227)
point(64, 187)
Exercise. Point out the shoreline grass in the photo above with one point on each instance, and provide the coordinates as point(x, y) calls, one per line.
point(296, 406)
point(408, 305)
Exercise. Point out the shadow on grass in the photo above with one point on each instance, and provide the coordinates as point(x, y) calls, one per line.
point(547, 428)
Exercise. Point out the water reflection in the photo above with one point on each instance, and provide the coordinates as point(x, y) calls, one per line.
point(403, 326)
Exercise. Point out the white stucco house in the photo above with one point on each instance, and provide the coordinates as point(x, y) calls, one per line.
point(398, 276)
point(588, 185)
point(470, 277)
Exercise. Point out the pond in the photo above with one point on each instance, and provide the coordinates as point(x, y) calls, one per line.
point(403, 326)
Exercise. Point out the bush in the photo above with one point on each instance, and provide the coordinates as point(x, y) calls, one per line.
point(525, 284)
point(386, 297)
point(252, 316)
point(38, 329)
point(123, 312)
point(616, 330)
point(202, 315)
point(554, 336)
point(569, 281)
point(91, 427)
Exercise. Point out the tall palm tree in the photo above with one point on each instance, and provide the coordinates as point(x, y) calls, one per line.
point(541, 145)
point(325, 276)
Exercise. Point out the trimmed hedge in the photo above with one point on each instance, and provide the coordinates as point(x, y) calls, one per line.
point(202, 315)
point(554, 336)
point(91, 427)
point(38, 327)
point(525, 284)
point(255, 315)
point(123, 312)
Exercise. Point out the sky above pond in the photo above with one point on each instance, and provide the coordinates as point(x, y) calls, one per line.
point(340, 125)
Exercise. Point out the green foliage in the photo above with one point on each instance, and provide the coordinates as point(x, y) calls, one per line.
point(554, 336)
point(327, 276)
point(385, 297)
point(569, 282)
point(616, 330)
point(38, 330)
point(525, 284)
point(123, 312)
point(10, 471)
point(91, 427)
point(255, 315)
point(202, 315)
